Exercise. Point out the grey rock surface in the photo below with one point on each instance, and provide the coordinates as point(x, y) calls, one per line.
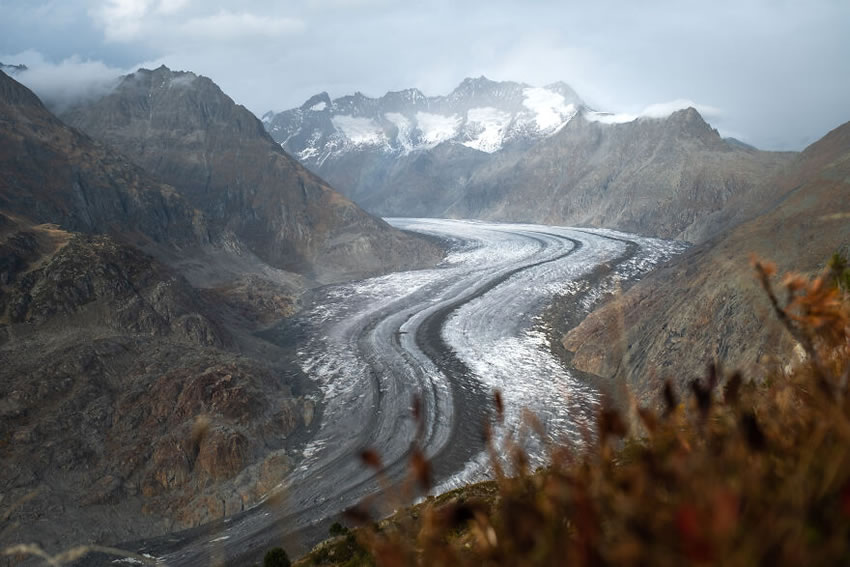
point(183, 129)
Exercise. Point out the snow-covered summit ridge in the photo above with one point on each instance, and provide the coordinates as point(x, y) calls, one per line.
point(480, 114)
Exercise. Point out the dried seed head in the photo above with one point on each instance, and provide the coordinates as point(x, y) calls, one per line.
point(358, 515)
point(371, 458)
point(702, 395)
point(421, 469)
point(200, 429)
point(610, 423)
point(713, 375)
point(500, 406)
point(520, 460)
point(752, 431)
point(733, 387)
point(670, 401)
point(648, 419)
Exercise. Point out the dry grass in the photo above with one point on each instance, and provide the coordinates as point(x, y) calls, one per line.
point(735, 474)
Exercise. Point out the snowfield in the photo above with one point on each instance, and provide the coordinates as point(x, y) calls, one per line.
point(550, 109)
point(420, 123)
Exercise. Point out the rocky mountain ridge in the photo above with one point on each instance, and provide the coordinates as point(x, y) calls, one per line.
point(480, 114)
point(54, 174)
point(707, 305)
point(657, 176)
point(109, 360)
point(507, 151)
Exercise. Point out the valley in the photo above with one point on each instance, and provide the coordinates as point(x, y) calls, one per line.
point(346, 282)
point(450, 336)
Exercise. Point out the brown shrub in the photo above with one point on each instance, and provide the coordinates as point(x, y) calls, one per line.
point(740, 474)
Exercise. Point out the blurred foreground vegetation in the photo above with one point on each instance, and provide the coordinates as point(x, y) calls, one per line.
point(731, 473)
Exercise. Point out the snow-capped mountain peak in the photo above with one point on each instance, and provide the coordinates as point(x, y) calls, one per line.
point(480, 114)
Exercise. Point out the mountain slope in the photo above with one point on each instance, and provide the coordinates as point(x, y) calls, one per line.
point(108, 356)
point(505, 151)
point(707, 306)
point(406, 154)
point(653, 175)
point(52, 173)
point(183, 129)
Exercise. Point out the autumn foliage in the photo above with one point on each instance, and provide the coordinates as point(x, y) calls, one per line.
point(729, 472)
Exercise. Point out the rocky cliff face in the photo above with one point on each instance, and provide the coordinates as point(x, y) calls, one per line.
point(707, 305)
point(512, 152)
point(109, 360)
point(95, 279)
point(183, 129)
point(54, 174)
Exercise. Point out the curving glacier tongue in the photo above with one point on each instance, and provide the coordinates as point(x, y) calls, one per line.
point(447, 336)
point(371, 352)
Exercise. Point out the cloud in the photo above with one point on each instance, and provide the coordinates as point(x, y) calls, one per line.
point(771, 66)
point(356, 4)
point(657, 110)
point(177, 24)
point(71, 81)
point(122, 20)
point(229, 26)
point(170, 6)
point(664, 109)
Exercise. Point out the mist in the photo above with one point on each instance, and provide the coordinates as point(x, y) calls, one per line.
point(66, 83)
point(775, 72)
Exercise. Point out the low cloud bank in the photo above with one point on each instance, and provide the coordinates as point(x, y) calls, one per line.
point(659, 110)
point(64, 84)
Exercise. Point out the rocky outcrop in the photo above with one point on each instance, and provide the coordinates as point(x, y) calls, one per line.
point(112, 448)
point(185, 130)
point(123, 393)
point(706, 306)
point(95, 279)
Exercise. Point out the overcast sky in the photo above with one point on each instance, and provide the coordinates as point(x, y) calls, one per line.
point(775, 73)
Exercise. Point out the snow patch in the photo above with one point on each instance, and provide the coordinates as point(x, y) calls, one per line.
point(490, 125)
point(550, 109)
point(360, 131)
point(312, 149)
point(437, 128)
point(319, 106)
point(401, 122)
